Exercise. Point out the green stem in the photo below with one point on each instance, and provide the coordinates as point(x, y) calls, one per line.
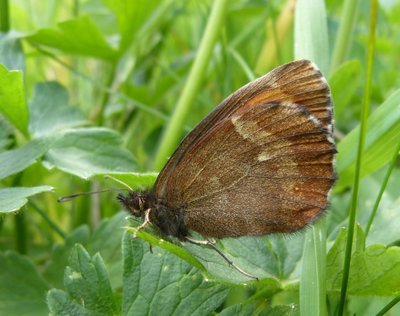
point(4, 16)
point(48, 220)
point(360, 148)
point(344, 36)
point(20, 229)
point(173, 131)
point(382, 189)
point(384, 310)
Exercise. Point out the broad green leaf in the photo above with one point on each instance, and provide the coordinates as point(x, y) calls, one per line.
point(50, 111)
point(158, 283)
point(383, 135)
point(311, 40)
point(60, 303)
point(12, 98)
point(374, 270)
point(248, 310)
point(54, 270)
point(269, 258)
point(385, 228)
point(106, 240)
point(11, 54)
point(12, 199)
point(86, 152)
point(86, 281)
point(79, 36)
point(15, 160)
point(22, 289)
point(344, 83)
point(239, 309)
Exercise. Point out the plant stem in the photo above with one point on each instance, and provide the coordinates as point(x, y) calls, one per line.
point(173, 131)
point(4, 16)
point(48, 220)
point(360, 148)
point(343, 39)
point(270, 50)
point(384, 310)
point(20, 232)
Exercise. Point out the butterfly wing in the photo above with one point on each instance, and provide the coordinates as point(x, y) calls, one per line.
point(256, 165)
point(298, 82)
point(266, 169)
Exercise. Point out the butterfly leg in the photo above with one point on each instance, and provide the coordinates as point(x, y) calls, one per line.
point(144, 224)
point(212, 245)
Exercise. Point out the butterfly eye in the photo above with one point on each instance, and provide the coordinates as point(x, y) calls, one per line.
point(132, 203)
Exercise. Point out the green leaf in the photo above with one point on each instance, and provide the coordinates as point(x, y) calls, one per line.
point(11, 54)
point(249, 310)
point(106, 240)
point(61, 304)
point(311, 33)
point(86, 281)
point(15, 160)
point(54, 270)
point(50, 111)
point(383, 134)
point(12, 98)
point(344, 83)
point(374, 270)
point(239, 309)
point(158, 283)
point(269, 258)
point(86, 152)
point(79, 36)
point(12, 199)
point(22, 289)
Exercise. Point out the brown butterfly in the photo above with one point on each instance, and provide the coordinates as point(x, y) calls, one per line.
point(260, 163)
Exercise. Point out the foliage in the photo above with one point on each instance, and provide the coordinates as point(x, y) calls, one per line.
point(86, 90)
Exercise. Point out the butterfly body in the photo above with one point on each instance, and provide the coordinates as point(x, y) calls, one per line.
point(260, 163)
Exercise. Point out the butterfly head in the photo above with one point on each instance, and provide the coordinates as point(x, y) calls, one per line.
point(135, 202)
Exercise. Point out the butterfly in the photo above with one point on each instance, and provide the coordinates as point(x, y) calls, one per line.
point(261, 162)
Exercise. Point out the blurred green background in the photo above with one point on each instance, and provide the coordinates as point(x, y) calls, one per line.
point(87, 88)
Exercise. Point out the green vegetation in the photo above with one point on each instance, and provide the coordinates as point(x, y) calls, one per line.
point(96, 87)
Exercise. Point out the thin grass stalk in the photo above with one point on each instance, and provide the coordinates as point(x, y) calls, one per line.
point(48, 220)
point(172, 133)
point(384, 310)
point(4, 16)
point(344, 36)
point(360, 148)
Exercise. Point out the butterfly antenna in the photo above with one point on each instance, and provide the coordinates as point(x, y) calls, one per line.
point(118, 181)
point(230, 262)
point(73, 196)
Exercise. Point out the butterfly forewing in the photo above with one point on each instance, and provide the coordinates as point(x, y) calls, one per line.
point(261, 162)
point(298, 82)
